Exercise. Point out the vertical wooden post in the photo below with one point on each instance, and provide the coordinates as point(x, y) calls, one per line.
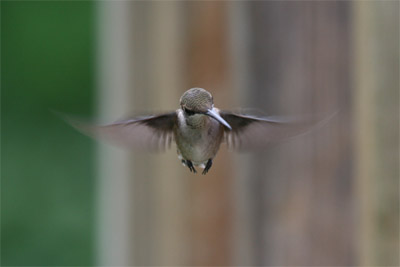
point(207, 67)
point(243, 248)
point(115, 194)
point(302, 190)
point(166, 35)
point(142, 197)
point(376, 57)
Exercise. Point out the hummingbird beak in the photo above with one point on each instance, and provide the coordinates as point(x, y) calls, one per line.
point(216, 116)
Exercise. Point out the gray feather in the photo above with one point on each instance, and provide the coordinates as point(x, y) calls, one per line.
point(252, 132)
point(150, 133)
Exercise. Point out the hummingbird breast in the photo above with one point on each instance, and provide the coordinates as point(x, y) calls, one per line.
point(197, 137)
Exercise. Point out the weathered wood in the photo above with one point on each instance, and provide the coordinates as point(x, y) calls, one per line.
point(143, 197)
point(207, 67)
point(115, 196)
point(376, 80)
point(302, 191)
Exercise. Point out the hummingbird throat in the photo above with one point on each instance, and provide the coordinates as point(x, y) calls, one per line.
point(197, 120)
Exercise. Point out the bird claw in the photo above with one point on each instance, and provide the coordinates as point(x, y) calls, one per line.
point(208, 166)
point(189, 164)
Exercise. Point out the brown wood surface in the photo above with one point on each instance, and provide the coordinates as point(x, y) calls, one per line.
point(210, 203)
point(304, 211)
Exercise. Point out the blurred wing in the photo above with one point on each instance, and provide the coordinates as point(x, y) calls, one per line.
point(251, 132)
point(151, 133)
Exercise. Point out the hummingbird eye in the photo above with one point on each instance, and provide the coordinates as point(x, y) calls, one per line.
point(188, 111)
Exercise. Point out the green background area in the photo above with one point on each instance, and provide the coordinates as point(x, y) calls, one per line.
point(47, 174)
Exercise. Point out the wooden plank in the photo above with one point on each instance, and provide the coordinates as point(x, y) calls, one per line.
point(210, 195)
point(302, 190)
point(114, 203)
point(376, 80)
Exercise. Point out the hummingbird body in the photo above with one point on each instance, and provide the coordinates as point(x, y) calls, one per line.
point(198, 129)
point(198, 138)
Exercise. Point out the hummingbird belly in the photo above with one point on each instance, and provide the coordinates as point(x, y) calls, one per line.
point(198, 144)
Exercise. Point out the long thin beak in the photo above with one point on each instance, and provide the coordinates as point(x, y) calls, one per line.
point(216, 116)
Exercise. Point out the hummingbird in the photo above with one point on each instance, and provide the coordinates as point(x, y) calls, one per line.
point(198, 129)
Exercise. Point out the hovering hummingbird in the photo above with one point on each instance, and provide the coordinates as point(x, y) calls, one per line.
point(198, 129)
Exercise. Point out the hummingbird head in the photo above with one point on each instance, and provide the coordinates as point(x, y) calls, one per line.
point(196, 100)
point(199, 101)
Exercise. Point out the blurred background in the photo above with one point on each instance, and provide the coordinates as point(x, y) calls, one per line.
point(328, 198)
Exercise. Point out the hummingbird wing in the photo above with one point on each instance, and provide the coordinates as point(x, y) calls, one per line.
point(151, 133)
point(255, 132)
